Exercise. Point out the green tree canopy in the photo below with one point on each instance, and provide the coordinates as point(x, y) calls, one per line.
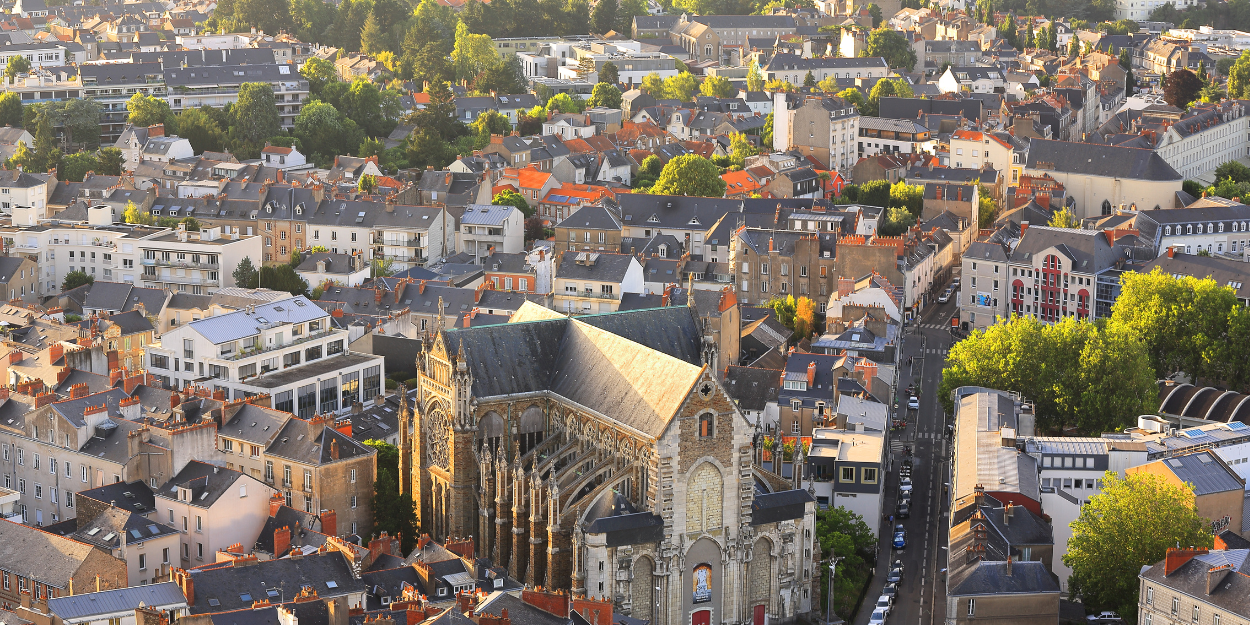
point(1143, 506)
point(690, 175)
point(509, 197)
point(254, 118)
point(319, 73)
point(393, 513)
point(11, 109)
point(681, 87)
point(17, 64)
point(605, 94)
point(1092, 377)
point(135, 215)
point(323, 131)
point(755, 79)
point(75, 279)
point(201, 129)
point(146, 110)
point(1181, 88)
point(610, 74)
point(717, 87)
point(844, 534)
point(111, 161)
point(1064, 218)
point(73, 167)
point(471, 53)
point(892, 46)
point(603, 18)
point(1234, 170)
point(897, 221)
point(875, 193)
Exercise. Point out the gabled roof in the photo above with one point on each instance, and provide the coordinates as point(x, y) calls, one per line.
point(1099, 160)
point(82, 607)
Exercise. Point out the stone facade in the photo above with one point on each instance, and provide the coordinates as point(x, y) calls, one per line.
point(529, 474)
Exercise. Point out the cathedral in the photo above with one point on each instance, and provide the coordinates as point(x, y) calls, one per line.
point(600, 454)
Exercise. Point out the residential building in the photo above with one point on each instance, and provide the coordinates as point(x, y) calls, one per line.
point(590, 282)
point(1207, 585)
point(327, 576)
point(1214, 225)
point(46, 566)
point(282, 158)
point(519, 272)
point(485, 228)
point(879, 135)
point(25, 196)
point(145, 545)
point(824, 128)
point(794, 68)
point(19, 278)
point(847, 466)
point(118, 606)
point(196, 262)
point(317, 468)
point(213, 508)
point(974, 149)
point(1100, 177)
point(320, 267)
point(972, 79)
point(287, 349)
point(777, 263)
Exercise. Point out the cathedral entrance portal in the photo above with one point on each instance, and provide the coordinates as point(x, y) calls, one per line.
point(760, 612)
point(702, 617)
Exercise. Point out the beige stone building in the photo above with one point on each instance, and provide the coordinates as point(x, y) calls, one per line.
point(779, 263)
point(603, 442)
point(591, 228)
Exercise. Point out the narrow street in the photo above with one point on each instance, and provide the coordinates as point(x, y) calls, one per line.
point(926, 343)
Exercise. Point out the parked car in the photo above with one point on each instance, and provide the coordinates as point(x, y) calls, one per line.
point(890, 590)
point(955, 283)
point(895, 576)
point(885, 602)
point(878, 617)
point(904, 511)
point(945, 296)
point(904, 486)
point(1106, 616)
point(913, 403)
point(900, 537)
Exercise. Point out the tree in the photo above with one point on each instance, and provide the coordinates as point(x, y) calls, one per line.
point(190, 223)
point(987, 207)
point(11, 109)
point(1074, 47)
point(319, 73)
point(471, 53)
point(111, 161)
point(606, 95)
point(649, 171)
point(46, 153)
point(609, 74)
point(844, 534)
point(502, 76)
point(565, 103)
point(393, 513)
point(23, 157)
point(134, 215)
point(1182, 322)
point(367, 184)
point(755, 79)
point(75, 279)
point(1234, 170)
point(875, 193)
point(892, 46)
point(854, 97)
point(254, 118)
point(690, 175)
point(626, 12)
point(778, 85)
point(281, 278)
point(1182, 88)
point(381, 268)
point(78, 119)
point(603, 17)
point(809, 80)
point(73, 167)
point(804, 318)
point(739, 149)
point(784, 308)
point(653, 85)
point(201, 129)
point(883, 88)
point(681, 87)
point(244, 273)
point(875, 12)
point(766, 133)
point(146, 110)
point(1156, 514)
point(18, 64)
point(373, 36)
point(897, 221)
point(509, 197)
point(907, 196)
point(487, 124)
point(1064, 218)
point(323, 131)
point(534, 229)
point(717, 87)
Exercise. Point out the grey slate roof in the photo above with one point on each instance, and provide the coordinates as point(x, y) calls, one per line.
point(1205, 471)
point(606, 267)
point(751, 387)
point(1099, 160)
point(297, 443)
point(40, 556)
point(207, 483)
point(225, 585)
point(76, 608)
point(240, 324)
point(1087, 250)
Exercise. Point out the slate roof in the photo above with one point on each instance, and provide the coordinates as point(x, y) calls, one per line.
point(136, 496)
point(82, 607)
point(752, 388)
point(296, 443)
point(1226, 272)
point(106, 529)
point(255, 424)
point(225, 585)
point(207, 483)
point(1087, 250)
point(40, 556)
point(561, 354)
point(240, 324)
point(72, 409)
point(606, 267)
point(1099, 160)
point(1204, 471)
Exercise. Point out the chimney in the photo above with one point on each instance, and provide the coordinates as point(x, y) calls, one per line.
point(276, 501)
point(811, 373)
point(55, 353)
point(1008, 565)
point(43, 399)
point(1176, 558)
point(1008, 512)
point(334, 449)
point(329, 523)
point(281, 541)
point(156, 130)
point(1171, 252)
point(1024, 225)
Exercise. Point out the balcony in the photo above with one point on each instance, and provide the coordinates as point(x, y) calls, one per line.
point(592, 295)
point(254, 351)
point(183, 264)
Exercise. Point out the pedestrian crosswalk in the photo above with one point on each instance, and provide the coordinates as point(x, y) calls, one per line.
point(896, 446)
point(935, 326)
point(937, 351)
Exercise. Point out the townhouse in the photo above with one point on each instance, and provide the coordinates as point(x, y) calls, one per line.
point(1193, 142)
point(198, 262)
point(593, 282)
point(1215, 226)
point(825, 128)
point(794, 68)
point(879, 135)
point(38, 565)
point(213, 508)
point(313, 462)
point(779, 263)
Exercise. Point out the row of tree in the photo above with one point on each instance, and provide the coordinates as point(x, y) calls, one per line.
point(1098, 376)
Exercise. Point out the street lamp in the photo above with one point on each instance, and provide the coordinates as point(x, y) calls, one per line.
point(833, 565)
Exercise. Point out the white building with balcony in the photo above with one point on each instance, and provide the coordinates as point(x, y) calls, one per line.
point(412, 236)
point(287, 349)
point(108, 253)
point(194, 262)
point(484, 226)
